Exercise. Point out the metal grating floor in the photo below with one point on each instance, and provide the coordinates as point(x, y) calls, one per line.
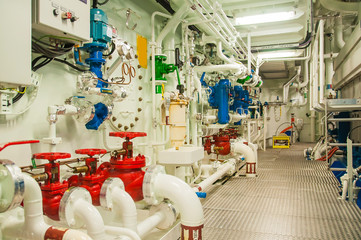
point(290, 199)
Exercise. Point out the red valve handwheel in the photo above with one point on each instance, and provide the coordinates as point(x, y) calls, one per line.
point(129, 135)
point(91, 151)
point(51, 156)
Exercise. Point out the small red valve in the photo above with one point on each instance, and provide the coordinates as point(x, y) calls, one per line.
point(91, 151)
point(51, 156)
point(52, 189)
point(128, 135)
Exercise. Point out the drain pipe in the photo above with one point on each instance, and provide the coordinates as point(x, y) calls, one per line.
point(157, 186)
point(227, 168)
point(241, 148)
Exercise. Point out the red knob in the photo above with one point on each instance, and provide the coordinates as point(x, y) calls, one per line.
point(129, 135)
point(91, 151)
point(51, 156)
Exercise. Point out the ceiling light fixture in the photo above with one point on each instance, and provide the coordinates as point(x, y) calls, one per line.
point(265, 18)
point(283, 54)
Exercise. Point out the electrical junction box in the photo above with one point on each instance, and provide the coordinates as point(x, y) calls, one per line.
point(64, 18)
point(15, 43)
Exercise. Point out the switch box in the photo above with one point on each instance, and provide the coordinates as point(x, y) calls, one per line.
point(64, 18)
point(15, 43)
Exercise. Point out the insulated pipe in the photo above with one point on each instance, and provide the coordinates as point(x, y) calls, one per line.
point(158, 186)
point(322, 66)
point(338, 33)
point(122, 232)
point(221, 55)
point(183, 196)
point(228, 167)
point(150, 223)
point(34, 226)
point(216, 68)
point(247, 152)
point(249, 54)
point(91, 217)
point(124, 208)
point(172, 24)
point(153, 45)
point(339, 6)
point(344, 189)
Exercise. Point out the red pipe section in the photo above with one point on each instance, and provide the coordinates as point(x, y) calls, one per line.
point(330, 154)
point(18, 143)
point(286, 129)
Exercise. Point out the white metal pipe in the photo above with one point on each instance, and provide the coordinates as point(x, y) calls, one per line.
point(217, 68)
point(322, 66)
point(241, 148)
point(122, 232)
point(344, 189)
point(183, 196)
point(153, 45)
point(150, 223)
point(34, 225)
point(124, 208)
point(172, 24)
point(249, 54)
point(221, 55)
point(339, 32)
point(313, 126)
point(228, 167)
point(93, 220)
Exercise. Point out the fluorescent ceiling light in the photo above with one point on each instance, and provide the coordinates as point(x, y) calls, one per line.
point(277, 54)
point(265, 18)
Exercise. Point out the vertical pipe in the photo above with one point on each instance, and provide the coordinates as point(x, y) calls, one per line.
point(313, 123)
point(349, 169)
point(322, 66)
point(249, 54)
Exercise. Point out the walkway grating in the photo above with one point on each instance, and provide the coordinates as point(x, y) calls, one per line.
point(291, 198)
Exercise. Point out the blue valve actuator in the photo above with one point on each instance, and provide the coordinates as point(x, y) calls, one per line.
point(201, 194)
point(101, 113)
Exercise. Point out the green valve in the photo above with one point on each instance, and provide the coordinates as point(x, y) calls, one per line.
point(162, 68)
point(243, 80)
point(158, 89)
point(33, 162)
point(305, 95)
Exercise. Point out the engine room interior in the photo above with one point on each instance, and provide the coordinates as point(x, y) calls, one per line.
point(180, 119)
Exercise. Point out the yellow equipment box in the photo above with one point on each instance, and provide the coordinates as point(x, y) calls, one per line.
point(281, 142)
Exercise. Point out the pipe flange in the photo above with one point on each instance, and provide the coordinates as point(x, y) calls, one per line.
point(11, 186)
point(148, 184)
point(105, 198)
point(169, 212)
point(67, 208)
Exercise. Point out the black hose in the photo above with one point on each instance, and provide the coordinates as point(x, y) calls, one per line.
point(95, 3)
point(105, 2)
point(69, 64)
point(111, 51)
